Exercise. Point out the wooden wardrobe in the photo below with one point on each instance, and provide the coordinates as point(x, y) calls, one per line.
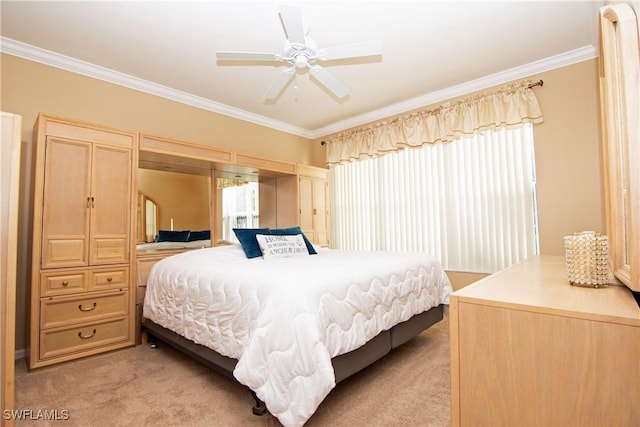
point(313, 201)
point(82, 272)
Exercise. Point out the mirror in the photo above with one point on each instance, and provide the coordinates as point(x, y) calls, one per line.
point(172, 201)
point(619, 87)
point(177, 199)
point(147, 219)
point(151, 219)
point(182, 179)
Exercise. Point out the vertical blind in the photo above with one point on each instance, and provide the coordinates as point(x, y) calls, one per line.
point(470, 202)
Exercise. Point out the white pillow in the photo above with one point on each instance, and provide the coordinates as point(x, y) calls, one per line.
point(273, 246)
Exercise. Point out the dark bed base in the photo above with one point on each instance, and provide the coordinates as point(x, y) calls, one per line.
point(344, 365)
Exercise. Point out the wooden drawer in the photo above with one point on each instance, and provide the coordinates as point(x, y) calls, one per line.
point(69, 310)
point(143, 268)
point(144, 264)
point(62, 283)
point(73, 281)
point(116, 278)
point(61, 341)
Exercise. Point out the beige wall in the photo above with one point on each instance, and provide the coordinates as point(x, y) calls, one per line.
point(569, 164)
point(568, 155)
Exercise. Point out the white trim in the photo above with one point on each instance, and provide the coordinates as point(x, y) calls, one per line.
point(524, 71)
point(32, 53)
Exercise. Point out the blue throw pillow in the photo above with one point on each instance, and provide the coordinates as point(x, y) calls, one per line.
point(247, 238)
point(293, 231)
point(172, 236)
point(199, 235)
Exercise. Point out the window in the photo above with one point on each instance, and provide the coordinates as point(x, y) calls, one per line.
point(239, 209)
point(471, 202)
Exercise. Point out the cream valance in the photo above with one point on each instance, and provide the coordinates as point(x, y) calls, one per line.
point(512, 106)
point(223, 183)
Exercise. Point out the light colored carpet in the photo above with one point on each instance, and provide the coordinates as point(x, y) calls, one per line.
point(140, 386)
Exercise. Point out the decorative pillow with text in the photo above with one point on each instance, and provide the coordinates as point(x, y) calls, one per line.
point(292, 231)
point(282, 246)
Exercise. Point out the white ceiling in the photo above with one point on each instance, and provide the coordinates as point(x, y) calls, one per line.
point(432, 51)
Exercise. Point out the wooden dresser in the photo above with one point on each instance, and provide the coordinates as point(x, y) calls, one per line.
point(83, 260)
point(527, 348)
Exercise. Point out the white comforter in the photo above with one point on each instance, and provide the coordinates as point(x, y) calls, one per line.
point(284, 319)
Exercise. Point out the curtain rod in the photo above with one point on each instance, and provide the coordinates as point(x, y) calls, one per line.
point(532, 85)
point(538, 83)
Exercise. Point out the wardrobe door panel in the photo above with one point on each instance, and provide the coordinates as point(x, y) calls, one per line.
point(110, 213)
point(313, 195)
point(65, 219)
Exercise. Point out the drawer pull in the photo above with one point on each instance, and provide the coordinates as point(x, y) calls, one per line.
point(109, 279)
point(86, 337)
point(65, 283)
point(93, 307)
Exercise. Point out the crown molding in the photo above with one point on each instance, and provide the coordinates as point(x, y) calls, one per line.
point(32, 53)
point(525, 71)
point(46, 57)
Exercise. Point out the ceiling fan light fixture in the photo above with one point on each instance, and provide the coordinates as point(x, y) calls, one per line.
point(301, 51)
point(300, 61)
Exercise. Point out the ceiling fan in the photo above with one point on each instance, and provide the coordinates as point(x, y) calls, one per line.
point(301, 51)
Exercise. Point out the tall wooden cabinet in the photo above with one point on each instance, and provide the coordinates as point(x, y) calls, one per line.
point(313, 199)
point(11, 131)
point(83, 289)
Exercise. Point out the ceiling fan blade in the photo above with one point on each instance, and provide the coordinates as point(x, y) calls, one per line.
point(329, 81)
point(352, 50)
point(292, 23)
point(251, 56)
point(283, 79)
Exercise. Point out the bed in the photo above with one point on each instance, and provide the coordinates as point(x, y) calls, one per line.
point(169, 245)
point(177, 239)
point(289, 328)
